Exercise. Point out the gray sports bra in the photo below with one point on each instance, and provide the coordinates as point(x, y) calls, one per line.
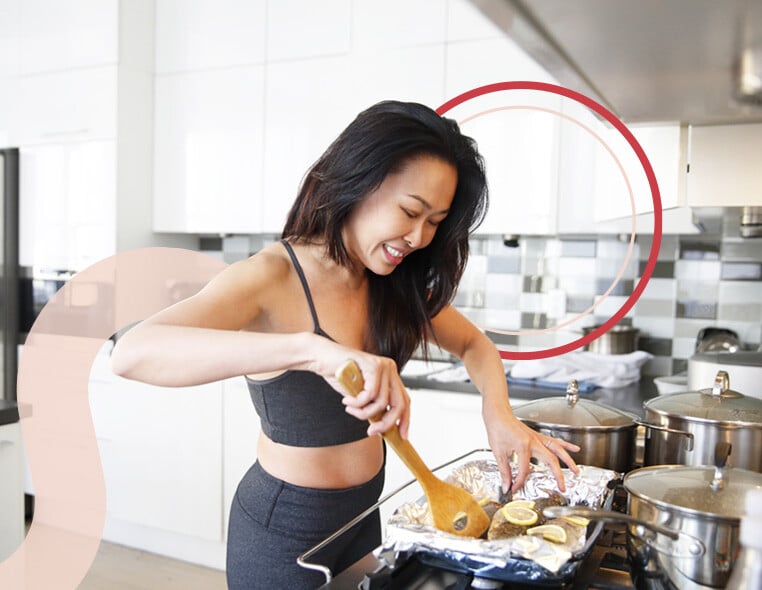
point(300, 408)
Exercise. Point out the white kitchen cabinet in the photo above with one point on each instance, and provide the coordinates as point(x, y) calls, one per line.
point(68, 105)
point(300, 29)
point(11, 489)
point(241, 429)
point(308, 103)
point(618, 170)
point(58, 35)
point(207, 34)
point(725, 166)
point(425, 23)
point(161, 450)
point(208, 146)
point(67, 214)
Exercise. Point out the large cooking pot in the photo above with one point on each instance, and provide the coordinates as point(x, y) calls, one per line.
point(606, 436)
point(618, 340)
point(684, 523)
point(685, 428)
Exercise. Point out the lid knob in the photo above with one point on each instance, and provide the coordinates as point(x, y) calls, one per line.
point(721, 453)
point(721, 383)
point(572, 393)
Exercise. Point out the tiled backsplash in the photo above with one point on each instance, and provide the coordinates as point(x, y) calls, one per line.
point(539, 290)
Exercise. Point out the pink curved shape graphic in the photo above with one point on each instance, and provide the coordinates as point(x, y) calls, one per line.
point(57, 425)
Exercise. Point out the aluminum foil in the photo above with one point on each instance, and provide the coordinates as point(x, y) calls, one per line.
point(411, 529)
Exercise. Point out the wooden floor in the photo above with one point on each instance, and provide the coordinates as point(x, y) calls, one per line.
point(122, 568)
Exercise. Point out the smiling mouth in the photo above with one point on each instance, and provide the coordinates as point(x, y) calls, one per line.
point(394, 255)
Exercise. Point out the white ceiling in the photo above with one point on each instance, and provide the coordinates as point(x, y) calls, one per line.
point(646, 60)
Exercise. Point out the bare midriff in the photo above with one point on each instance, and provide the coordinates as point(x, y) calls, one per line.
point(334, 467)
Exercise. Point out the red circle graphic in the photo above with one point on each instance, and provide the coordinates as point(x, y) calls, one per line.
point(627, 134)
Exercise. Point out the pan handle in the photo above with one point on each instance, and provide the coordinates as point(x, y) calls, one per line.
point(608, 516)
point(649, 426)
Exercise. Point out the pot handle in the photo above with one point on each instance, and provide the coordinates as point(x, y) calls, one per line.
point(649, 426)
point(607, 516)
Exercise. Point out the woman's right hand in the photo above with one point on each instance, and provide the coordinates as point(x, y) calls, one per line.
point(383, 395)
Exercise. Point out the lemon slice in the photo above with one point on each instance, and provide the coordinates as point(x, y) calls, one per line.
point(484, 501)
point(549, 532)
point(578, 520)
point(524, 503)
point(520, 515)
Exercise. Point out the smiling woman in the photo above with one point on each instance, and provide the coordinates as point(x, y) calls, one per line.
point(369, 261)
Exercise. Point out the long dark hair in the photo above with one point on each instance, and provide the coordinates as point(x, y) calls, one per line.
point(380, 141)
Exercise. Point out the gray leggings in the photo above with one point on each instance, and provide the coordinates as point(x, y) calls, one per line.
point(273, 522)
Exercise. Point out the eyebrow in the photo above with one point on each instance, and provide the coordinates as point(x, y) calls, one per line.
point(426, 204)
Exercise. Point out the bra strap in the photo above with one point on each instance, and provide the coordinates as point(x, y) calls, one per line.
point(305, 286)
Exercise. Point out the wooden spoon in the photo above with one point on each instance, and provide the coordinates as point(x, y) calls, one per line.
point(454, 509)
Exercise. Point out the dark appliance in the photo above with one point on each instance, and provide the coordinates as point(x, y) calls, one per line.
point(9, 243)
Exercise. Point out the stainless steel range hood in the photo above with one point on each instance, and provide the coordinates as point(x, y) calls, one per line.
point(693, 61)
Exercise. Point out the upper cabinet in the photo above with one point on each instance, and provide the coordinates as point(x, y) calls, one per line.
point(725, 166)
point(208, 142)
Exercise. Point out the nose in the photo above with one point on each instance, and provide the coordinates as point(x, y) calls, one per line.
point(419, 236)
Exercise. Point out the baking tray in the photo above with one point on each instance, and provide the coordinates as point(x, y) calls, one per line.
point(516, 570)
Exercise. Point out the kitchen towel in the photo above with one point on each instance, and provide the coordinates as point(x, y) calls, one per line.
point(602, 370)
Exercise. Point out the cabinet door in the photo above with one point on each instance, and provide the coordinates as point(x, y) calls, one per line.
point(68, 212)
point(310, 102)
point(161, 450)
point(208, 151)
point(64, 35)
point(209, 34)
point(725, 166)
point(618, 170)
point(11, 490)
point(71, 105)
point(241, 427)
point(298, 29)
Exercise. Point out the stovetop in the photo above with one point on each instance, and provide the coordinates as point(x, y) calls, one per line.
point(605, 568)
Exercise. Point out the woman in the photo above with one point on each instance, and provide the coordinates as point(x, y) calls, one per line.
point(371, 255)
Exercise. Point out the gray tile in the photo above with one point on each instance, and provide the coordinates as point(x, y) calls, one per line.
point(578, 248)
point(504, 265)
point(578, 303)
point(623, 286)
point(504, 339)
point(656, 346)
point(750, 250)
point(662, 270)
point(663, 308)
point(741, 271)
point(533, 321)
point(533, 284)
point(696, 309)
point(697, 250)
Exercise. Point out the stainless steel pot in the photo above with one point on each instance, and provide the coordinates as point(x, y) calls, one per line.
point(618, 340)
point(685, 428)
point(606, 436)
point(683, 523)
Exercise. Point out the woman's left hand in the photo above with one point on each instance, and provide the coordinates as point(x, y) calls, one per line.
point(507, 436)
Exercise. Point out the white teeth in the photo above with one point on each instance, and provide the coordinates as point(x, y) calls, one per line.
point(393, 251)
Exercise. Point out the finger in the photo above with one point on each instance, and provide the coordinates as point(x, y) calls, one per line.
point(550, 459)
point(504, 466)
point(567, 459)
point(523, 471)
point(569, 446)
point(404, 421)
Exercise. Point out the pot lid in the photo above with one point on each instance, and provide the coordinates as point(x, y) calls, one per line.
point(693, 489)
point(572, 411)
point(716, 404)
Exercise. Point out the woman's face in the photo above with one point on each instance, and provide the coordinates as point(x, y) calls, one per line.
point(401, 215)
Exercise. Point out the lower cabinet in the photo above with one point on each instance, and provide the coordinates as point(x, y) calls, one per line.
point(162, 455)
point(11, 490)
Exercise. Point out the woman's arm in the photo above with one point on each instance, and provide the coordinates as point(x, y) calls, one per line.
point(506, 433)
point(223, 331)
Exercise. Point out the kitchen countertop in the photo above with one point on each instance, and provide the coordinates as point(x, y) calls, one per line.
point(9, 412)
point(629, 398)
